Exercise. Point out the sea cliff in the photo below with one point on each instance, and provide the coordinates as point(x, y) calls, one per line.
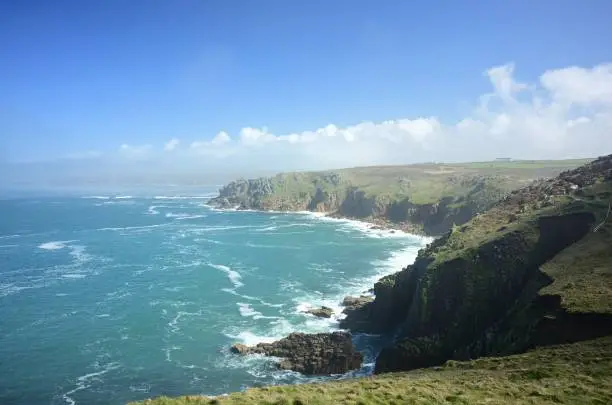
point(426, 199)
point(533, 270)
point(478, 309)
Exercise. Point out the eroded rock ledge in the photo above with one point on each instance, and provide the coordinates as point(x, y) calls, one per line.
point(311, 354)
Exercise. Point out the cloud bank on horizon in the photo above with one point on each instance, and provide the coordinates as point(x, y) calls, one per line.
point(567, 113)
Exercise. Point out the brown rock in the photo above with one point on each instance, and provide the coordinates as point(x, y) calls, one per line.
point(323, 312)
point(311, 354)
point(351, 303)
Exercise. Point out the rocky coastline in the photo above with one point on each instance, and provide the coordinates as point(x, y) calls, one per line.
point(309, 354)
point(499, 254)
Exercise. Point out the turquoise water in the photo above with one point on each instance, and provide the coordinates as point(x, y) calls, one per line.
point(106, 300)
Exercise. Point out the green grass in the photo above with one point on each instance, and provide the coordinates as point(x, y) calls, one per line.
point(424, 183)
point(579, 373)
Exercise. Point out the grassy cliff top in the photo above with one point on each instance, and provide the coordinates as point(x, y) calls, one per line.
point(421, 183)
point(427, 183)
point(581, 273)
point(579, 373)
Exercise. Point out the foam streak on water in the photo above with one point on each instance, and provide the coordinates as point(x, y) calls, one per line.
point(143, 296)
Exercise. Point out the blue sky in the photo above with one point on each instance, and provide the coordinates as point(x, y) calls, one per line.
point(79, 79)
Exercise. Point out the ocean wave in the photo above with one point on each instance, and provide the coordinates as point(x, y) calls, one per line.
point(233, 276)
point(251, 339)
point(182, 197)
point(182, 215)
point(55, 245)
point(114, 202)
point(277, 227)
point(249, 298)
point(129, 228)
point(152, 210)
point(123, 197)
point(258, 245)
point(74, 275)
point(8, 246)
point(96, 197)
point(246, 310)
point(85, 381)
point(173, 324)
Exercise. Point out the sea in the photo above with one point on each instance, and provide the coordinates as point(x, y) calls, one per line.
point(106, 299)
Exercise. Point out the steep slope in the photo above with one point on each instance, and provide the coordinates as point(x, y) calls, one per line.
point(536, 269)
point(427, 198)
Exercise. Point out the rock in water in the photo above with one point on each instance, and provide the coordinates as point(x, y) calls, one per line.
point(311, 354)
point(323, 312)
point(351, 303)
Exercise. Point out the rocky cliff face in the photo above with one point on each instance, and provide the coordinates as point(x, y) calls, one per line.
point(311, 354)
point(329, 192)
point(478, 290)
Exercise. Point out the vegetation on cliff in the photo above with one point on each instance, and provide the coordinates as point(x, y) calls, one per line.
point(427, 198)
point(535, 269)
point(531, 275)
point(579, 373)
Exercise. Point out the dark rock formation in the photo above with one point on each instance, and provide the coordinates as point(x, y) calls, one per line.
point(351, 303)
point(311, 354)
point(476, 291)
point(322, 312)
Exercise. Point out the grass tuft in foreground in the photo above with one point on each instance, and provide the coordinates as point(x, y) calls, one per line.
point(579, 373)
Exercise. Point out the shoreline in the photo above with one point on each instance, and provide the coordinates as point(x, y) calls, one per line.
point(374, 223)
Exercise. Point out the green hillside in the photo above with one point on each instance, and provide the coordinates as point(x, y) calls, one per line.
point(425, 198)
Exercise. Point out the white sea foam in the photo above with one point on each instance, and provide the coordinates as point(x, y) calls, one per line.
point(123, 197)
point(54, 245)
point(71, 275)
point(277, 227)
point(246, 310)
point(152, 210)
point(294, 318)
point(182, 197)
point(116, 201)
point(262, 246)
point(251, 339)
point(84, 381)
point(248, 297)
point(128, 228)
point(232, 275)
point(96, 197)
point(183, 215)
point(7, 246)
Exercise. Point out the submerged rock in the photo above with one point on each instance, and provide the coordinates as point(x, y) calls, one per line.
point(311, 354)
point(322, 312)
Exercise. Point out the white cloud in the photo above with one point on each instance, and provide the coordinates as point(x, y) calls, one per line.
point(171, 144)
point(221, 138)
point(562, 113)
point(579, 85)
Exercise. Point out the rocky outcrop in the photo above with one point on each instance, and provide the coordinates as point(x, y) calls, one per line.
point(332, 193)
point(321, 312)
point(311, 354)
point(356, 311)
point(477, 290)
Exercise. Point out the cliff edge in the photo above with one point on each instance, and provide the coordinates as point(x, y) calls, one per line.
point(426, 198)
point(534, 270)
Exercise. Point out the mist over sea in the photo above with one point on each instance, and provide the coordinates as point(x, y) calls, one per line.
point(107, 298)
